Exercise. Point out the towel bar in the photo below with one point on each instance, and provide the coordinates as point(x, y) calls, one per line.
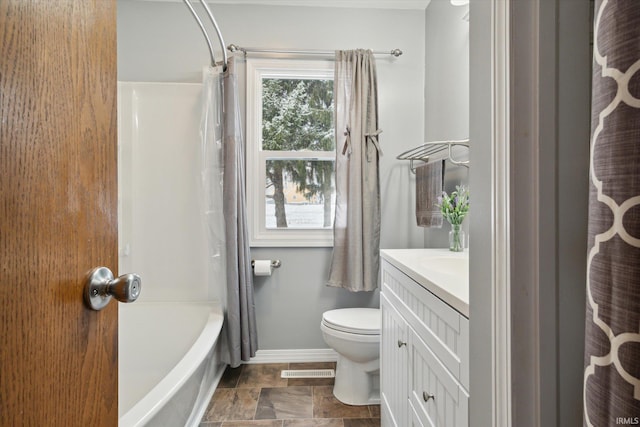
point(424, 151)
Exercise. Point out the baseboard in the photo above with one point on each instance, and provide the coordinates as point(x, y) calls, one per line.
point(294, 356)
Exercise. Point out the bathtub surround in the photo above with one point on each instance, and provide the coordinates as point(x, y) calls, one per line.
point(242, 335)
point(160, 233)
point(211, 159)
point(612, 354)
point(162, 236)
point(355, 262)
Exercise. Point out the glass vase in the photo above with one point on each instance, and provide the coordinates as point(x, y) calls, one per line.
point(456, 238)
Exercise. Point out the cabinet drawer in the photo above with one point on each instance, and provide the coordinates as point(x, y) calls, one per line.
point(436, 397)
point(444, 329)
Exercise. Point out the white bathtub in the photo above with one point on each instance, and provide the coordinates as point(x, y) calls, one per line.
point(168, 362)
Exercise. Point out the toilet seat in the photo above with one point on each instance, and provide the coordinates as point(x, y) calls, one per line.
point(361, 321)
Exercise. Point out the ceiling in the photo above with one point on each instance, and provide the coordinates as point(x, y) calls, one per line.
point(369, 4)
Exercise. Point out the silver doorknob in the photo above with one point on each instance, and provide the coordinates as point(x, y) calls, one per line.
point(101, 286)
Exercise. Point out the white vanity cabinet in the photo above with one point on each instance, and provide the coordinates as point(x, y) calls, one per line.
point(424, 355)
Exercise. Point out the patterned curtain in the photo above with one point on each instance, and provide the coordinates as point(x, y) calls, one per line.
point(612, 341)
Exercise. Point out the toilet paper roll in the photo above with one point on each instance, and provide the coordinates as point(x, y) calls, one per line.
point(262, 267)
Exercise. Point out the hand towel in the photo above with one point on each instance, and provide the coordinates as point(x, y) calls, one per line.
point(429, 186)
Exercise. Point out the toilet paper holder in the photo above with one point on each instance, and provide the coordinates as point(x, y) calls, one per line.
point(275, 263)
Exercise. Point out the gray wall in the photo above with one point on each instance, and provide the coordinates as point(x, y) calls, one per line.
point(446, 93)
point(161, 42)
point(574, 102)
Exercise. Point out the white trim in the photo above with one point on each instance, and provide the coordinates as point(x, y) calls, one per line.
point(500, 183)
point(294, 356)
point(259, 235)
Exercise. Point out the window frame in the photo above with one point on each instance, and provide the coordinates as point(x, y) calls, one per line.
point(259, 235)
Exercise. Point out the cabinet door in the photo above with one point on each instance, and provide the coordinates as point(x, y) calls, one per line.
point(416, 421)
point(393, 366)
point(438, 399)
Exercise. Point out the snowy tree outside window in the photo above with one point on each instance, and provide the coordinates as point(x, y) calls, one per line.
point(291, 152)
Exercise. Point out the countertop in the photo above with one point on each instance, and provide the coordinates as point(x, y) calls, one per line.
point(440, 271)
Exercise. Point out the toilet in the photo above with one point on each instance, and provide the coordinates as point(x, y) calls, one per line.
point(354, 333)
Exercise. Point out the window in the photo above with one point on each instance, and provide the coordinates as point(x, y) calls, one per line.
point(290, 152)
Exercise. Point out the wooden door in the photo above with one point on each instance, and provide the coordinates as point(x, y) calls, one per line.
point(58, 211)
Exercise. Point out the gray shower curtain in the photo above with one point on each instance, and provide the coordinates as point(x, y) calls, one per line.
point(612, 339)
point(242, 332)
point(356, 238)
point(223, 180)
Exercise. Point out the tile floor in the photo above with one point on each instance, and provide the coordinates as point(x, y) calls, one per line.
point(255, 395)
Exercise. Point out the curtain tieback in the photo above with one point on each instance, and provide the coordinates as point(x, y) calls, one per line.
point(347, 141)
point(373, 138)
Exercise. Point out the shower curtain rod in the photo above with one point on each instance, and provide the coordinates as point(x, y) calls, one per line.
point(206, 35)
point(245, 50)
